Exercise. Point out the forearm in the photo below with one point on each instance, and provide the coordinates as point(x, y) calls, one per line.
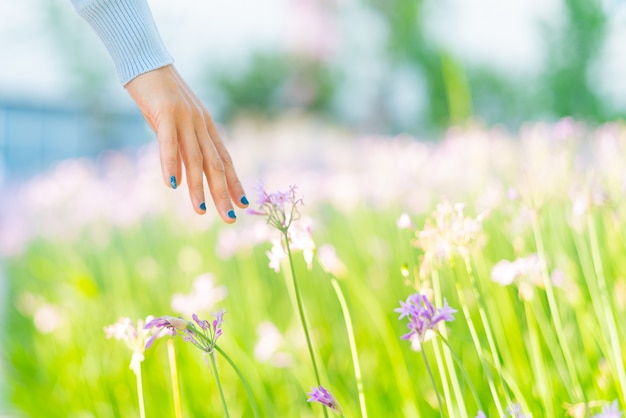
point(127, 29)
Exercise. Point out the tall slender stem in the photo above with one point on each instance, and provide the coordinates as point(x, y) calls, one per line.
point(464, 372)
point(219, 384)
point(142, 408)
point(479, 349)
point(606, 304)
point(545, 390)
point(305, 327)
point(447, 396)
point(171, 354)
point(554, 312)
point(486, 324)
point(432, 379)
point(255, 408)
point(352, 343)
point(454, 379)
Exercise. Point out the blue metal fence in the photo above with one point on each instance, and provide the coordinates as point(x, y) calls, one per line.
point(34, 136)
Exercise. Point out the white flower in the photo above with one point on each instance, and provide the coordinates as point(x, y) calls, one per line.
point(404, 221)
point(276, 255)
point(269, 346)
point(134, 338)
point(330, 262)
point(203, 297)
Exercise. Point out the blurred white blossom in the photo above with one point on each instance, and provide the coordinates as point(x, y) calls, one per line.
point(448, 232)
point(135, 338)
point(526, 273)
point(271, 346)
point(202, 298)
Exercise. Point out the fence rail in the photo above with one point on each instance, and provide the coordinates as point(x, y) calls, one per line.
point(34, 136)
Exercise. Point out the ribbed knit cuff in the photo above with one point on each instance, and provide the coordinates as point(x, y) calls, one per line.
point(129, 33)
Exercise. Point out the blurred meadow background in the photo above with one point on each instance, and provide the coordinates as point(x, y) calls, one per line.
point(472, 151)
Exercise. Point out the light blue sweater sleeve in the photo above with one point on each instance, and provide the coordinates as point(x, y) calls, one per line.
point(129, 33)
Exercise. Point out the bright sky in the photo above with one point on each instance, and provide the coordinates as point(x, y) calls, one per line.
point(502, 34)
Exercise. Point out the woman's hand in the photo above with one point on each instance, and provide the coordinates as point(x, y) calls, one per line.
point(186, 132)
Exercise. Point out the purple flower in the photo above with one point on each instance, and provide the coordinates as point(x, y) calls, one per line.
point(204, 324)
point(481, 414)
point(217, 324)
point(609, 411)
point(323, 396)
point(422, 315)
point(203, 337)
point(167, 323)
point(280, 208)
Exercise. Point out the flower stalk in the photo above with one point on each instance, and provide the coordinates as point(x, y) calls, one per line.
point(352, 343)
point(142, 407)
point(281, 210)
point(135, 340)
point(246, 385)
point(554, 313)
point(171, 354)
point(432, 380)
point(454, 379)
point(218, 382)
point(301, 310)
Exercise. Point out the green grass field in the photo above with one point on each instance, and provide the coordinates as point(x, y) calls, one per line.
point(101, 245)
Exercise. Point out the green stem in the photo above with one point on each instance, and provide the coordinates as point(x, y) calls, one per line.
point(554, 312)
point(432, 378)
point(552, 344)
point(606, 304)
point(444, 379)
point(305, 327)
point(479, 349)
point(482, 312)
point(296, 289)
point(142, 408)
point(219, 383)
point(454, 379)
point(171, 351)
point(255, 408)
point(464, 372)
point(545, 390)
point(352, 343)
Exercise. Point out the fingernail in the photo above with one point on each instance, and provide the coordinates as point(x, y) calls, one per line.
point(203, 206)
point(173, 182)
point(244, 200)
point(231, 214)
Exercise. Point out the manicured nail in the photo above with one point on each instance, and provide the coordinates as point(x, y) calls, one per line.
point(173, 182)
point(244, 200)
point(231, 214)
point(203, 206)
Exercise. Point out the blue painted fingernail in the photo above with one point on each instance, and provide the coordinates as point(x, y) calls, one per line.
point(173, 182)
point(203, 206)
point(244, 200)
point(231, 214)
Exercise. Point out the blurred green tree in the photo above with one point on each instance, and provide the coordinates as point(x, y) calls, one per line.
point(447, 91)
point(274, 82)
point(572, 50)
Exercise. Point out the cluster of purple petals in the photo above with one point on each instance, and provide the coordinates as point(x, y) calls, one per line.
point(204, 338)
point(422, 315)
point(322, 395)
point(280, 208)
